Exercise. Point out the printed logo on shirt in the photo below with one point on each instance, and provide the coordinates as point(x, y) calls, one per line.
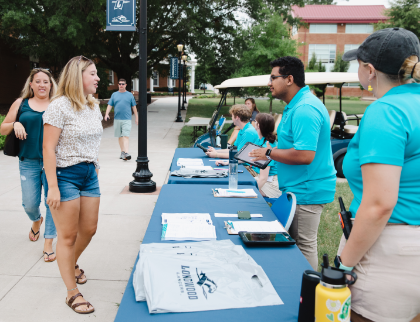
point(188, 286)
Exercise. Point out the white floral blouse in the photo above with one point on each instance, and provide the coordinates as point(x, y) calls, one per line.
point(81, 133)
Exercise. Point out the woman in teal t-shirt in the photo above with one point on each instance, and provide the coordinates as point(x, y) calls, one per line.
point(35, 98)
point(382, 167)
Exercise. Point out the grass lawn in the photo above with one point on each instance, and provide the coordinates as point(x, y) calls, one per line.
point(329, 232)
point(201, 91)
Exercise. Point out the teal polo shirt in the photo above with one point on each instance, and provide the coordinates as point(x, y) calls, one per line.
point(273, 164)
point(247, 134)
point(389, 133)
point(305, 125)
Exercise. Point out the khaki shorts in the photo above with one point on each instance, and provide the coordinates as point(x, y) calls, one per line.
point(271, 189)
point(122, 128)
point(388, 276)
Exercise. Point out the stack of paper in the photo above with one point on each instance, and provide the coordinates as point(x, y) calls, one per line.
point(189, 162)
point(187, 226)
point(237, 193)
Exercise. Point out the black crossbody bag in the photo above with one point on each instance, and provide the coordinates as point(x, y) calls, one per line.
point(11, 145)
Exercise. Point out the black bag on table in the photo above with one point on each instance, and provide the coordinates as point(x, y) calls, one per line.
point(11, 145)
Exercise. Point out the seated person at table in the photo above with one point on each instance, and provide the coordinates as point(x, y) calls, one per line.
point(250, 103)
point(247, 133)
point(267, 178)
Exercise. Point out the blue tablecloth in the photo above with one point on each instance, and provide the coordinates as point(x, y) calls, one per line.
point(244, 178)
point(284, 266)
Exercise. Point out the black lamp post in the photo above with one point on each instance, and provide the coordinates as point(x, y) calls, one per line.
point(142, 182)
point(184, 71)
point(180, 48)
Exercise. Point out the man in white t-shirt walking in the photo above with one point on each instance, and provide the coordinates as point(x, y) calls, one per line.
point(123, 101)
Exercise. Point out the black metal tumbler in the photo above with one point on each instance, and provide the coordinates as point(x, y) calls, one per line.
point(223, 141)
point(310, 280)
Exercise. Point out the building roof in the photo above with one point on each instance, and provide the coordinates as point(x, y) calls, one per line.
point(339, 14)
point(310, 79)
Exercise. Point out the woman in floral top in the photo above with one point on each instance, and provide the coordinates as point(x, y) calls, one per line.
point(72, 135)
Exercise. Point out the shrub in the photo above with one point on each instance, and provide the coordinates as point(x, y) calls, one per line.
point(2, 137)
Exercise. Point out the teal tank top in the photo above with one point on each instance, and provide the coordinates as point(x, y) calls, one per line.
point(31, 147)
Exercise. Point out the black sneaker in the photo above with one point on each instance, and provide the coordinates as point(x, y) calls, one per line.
point(122, 155)
point(126, 156)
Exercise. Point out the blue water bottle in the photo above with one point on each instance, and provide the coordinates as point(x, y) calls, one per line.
point(233, 169)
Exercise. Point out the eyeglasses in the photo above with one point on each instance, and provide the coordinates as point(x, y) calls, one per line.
point(271, 78)
point(121, 84)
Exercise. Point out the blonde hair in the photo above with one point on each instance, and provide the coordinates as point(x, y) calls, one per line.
point(242, 111)
point(27, 91)
point(409, 70)
point(70, 83)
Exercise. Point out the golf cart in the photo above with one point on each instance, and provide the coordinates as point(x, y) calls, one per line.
point(341, 132)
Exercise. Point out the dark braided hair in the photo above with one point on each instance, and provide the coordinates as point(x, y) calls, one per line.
point(266, 122)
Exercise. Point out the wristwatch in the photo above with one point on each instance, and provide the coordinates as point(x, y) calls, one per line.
point(339, 264)
point(267, 154)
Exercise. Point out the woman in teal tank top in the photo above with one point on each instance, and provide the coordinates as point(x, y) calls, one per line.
point(34, 100)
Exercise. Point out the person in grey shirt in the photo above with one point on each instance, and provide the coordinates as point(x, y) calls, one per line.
point(122, 101)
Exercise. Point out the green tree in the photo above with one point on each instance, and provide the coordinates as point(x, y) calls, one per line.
point(266, 41)
point(340, 65)
point(316, 66)
point(404, 14)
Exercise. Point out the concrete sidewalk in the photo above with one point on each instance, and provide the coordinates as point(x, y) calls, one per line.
point(31, 290)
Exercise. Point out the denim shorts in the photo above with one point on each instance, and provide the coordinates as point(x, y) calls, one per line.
point(78, 180)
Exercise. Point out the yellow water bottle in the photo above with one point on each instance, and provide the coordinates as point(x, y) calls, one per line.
point(332, 295)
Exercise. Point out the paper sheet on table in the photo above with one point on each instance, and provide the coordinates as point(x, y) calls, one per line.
point(183, 231)
point(236, 215)
point(236, 193)
point(185, 217)
point(234, 227)
point(196, 167)
point(189, 162)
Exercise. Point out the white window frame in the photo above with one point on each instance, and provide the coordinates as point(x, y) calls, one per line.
point(329, 59)
point(354, 65)
point(155, 77)
point(355, 28)
point(111, 75)
point(323, 28)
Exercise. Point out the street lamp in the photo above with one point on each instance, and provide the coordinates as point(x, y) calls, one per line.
point(180, 47)
point(184, 72)
point(142, 177)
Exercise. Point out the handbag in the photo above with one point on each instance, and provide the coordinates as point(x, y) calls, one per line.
point(11, 145)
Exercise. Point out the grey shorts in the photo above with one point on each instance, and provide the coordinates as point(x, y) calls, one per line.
point(122, 128)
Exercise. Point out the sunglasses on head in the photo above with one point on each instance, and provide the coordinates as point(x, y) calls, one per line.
point(80, 58)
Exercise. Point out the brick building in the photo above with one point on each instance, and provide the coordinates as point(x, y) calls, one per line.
point(335, 29)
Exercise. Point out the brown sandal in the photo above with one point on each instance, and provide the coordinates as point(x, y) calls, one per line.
point(78, 277)
point(74, 306)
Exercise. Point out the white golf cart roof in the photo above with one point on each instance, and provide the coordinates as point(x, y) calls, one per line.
point(310, 79)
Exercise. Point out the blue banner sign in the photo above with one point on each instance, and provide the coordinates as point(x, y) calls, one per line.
point(173, 68)
point(120, 15)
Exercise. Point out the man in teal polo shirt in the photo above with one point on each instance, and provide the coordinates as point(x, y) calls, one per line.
point(305, 164)
point(247, 133)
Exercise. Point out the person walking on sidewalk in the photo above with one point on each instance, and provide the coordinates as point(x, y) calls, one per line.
point(305, 163)
point(73, 131)
point(39, 88)
point(122, 101)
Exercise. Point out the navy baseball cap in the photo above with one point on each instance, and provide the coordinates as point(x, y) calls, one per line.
point(386, 49)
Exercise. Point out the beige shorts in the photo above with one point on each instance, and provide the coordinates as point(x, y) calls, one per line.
point(271, 189)
point(388, 284)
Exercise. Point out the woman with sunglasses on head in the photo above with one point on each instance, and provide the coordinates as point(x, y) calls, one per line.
point(34, 100)
point(73, 131)
point(250, 103)
point(382, 167)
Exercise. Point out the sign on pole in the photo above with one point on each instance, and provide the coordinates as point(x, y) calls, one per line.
point(173, 67)
point(121, 15)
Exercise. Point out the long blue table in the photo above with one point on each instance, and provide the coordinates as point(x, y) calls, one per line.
point(244, 178)
point(284, 266)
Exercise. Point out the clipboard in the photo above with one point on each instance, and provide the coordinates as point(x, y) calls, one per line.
point(242, 155)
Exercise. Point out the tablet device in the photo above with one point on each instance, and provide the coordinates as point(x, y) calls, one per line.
point(243, 156)
point(266, 239)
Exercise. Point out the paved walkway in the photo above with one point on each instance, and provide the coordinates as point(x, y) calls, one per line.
point(31, 290)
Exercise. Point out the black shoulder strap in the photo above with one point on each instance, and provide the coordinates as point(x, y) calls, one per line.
point(19, 110)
